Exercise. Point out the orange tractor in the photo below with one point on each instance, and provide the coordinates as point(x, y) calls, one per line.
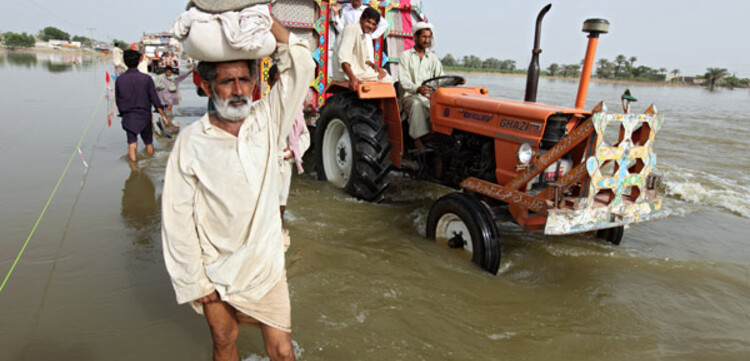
point(548, 168)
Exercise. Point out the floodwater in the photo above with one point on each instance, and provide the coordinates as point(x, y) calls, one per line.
point(365, 284)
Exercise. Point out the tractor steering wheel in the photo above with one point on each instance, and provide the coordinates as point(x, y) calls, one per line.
point(444, 81)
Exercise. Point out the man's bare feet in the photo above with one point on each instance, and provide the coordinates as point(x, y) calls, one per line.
point(133, 165)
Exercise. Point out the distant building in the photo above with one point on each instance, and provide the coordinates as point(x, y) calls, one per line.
point(57, 44)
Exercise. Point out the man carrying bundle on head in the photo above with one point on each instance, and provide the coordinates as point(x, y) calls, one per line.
point(221, 228)
point(354, 62)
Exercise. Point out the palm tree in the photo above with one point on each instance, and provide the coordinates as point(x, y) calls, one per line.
point(604, 68)
point(675, 73)
point(619, 60)
point(713, 75)
point(631, 61)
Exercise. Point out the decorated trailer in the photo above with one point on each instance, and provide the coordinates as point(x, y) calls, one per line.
point(311, 20)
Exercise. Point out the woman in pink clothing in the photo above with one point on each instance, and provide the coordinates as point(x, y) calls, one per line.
point(167, 86)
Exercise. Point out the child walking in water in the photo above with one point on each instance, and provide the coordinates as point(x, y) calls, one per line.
point(167, 86)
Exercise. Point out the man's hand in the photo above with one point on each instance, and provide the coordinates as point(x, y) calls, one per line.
point(288, 154)
point(424, 90)
point(354, 84)
point(381, 73)
point(213, 297)
point(336, 8)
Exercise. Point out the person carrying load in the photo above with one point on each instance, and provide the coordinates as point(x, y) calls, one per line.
point(221, 227)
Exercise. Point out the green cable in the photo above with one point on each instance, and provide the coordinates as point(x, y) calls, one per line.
point(44, 210)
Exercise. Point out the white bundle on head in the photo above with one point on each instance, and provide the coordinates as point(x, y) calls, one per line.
point(231, 35)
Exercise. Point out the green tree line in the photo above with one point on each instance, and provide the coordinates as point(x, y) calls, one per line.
point(621, 68)
point(474, 63)
point(13, 40)
point(23, 40)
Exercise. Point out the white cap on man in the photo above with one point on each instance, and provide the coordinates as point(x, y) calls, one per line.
point(421, 26)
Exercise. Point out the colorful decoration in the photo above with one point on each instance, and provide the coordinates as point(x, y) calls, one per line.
point(265, 65)
point(632, 201)
point(321, 27)
point(297, 24)
point(622, 153)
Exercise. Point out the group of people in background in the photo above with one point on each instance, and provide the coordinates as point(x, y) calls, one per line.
point(354, 61)
point(137, 90)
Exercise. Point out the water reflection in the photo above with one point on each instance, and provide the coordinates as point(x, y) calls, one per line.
point(140, 207)
point(21, 60)
point(57, 62)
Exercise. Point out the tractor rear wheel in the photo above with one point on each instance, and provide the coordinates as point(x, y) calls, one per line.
point(462, 221)
point(352, 147)
point(612, 235)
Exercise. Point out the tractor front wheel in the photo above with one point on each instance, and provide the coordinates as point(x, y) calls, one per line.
point(352, 147)
point(462, 221)
point(611, 235)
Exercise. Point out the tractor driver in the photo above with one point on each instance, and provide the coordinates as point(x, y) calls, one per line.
point(354, 61)
point(415, 66)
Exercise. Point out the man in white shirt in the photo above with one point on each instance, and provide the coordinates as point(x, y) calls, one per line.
point(117, 59)
point(221, 228)
point(347, 15)
point(415, 66)
point(353, 61)
point(350, 14)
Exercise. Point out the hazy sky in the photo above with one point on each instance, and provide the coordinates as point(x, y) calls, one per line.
point(689, 35)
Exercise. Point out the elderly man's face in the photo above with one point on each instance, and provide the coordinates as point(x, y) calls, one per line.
point(368, 25)
point(231, 91)
point(424, 39)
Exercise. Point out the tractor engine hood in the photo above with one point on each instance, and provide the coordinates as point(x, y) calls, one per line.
point(469, 110)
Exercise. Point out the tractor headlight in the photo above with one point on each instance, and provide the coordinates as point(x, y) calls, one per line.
point(525, 152)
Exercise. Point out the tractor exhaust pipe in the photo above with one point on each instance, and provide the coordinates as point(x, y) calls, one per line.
point(532, 76)
point(594, 27)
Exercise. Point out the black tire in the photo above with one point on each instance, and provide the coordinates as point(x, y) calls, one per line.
point(611, 235)
point(352, 148)
point(459, 211)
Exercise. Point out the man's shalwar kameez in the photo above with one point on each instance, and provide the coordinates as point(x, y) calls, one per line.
point(221, 226)
point(355, 47)
point(412, 72)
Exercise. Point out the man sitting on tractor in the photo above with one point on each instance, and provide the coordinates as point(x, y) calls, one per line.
point(353, 61)
point(415, 66)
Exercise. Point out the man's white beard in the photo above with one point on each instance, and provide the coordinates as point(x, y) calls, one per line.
point(232, 113)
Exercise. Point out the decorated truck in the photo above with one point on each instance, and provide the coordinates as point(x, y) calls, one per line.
point(156, 46)
point(552, 169)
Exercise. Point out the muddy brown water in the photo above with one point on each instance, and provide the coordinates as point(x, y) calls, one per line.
point(365, 284)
